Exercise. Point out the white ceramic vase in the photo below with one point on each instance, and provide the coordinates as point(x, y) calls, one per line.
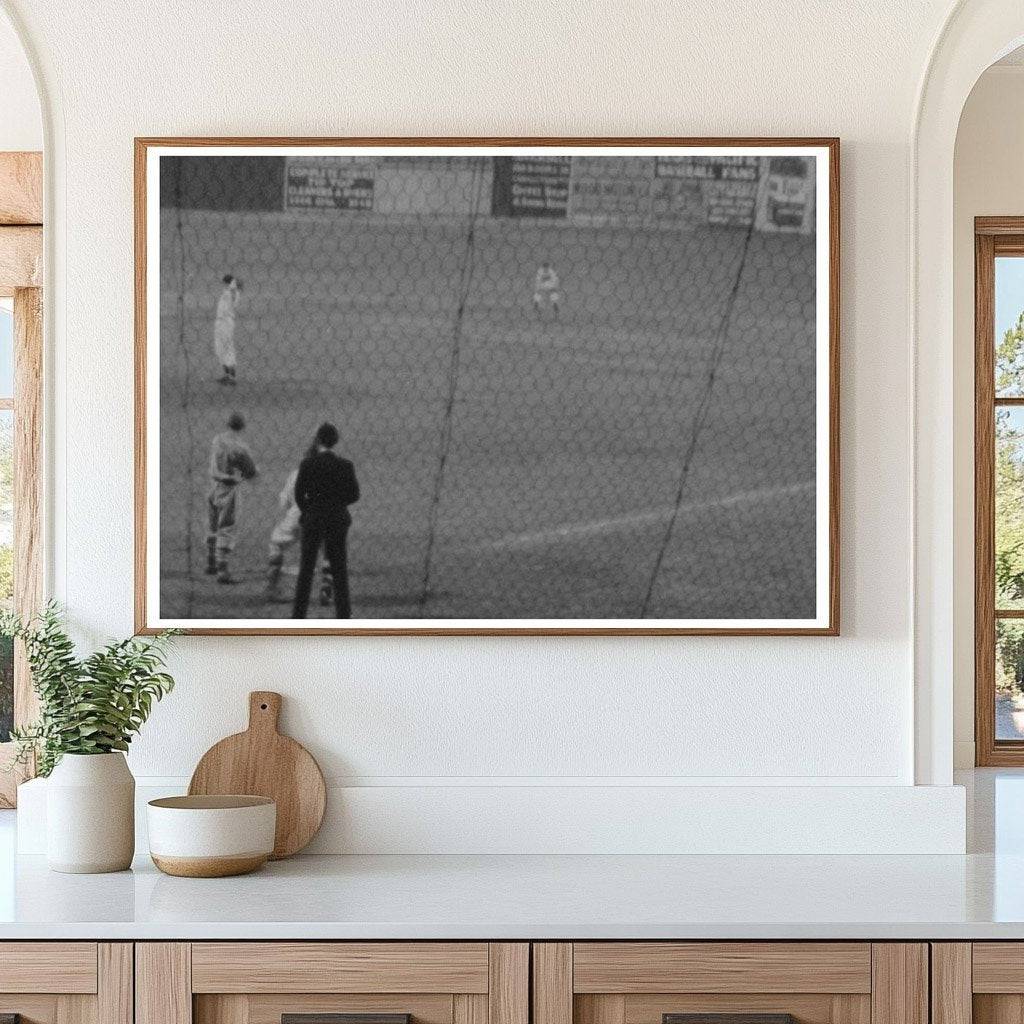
point(90, 814)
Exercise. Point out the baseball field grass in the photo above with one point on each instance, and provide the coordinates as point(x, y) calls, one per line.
point(646, 452)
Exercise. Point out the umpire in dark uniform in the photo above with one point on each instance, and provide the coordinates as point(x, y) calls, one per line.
point(324, 488)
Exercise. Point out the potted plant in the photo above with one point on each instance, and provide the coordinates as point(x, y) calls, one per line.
point(89, 710)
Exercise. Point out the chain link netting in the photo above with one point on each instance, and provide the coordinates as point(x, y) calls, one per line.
point(571, 387)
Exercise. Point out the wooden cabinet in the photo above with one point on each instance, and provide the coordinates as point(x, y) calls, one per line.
point(66, 982)
point(815, 982)
point(259, 982)
point(494, 983)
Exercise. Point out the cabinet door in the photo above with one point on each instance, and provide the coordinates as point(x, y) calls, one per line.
point(737, 982)
point(981, 982)
point(332, 983)
point(66, 982)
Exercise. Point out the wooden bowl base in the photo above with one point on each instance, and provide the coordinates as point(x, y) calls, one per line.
point(209, 867)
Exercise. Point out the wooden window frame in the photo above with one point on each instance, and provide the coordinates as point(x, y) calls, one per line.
point(993, 236)
point(21, 270)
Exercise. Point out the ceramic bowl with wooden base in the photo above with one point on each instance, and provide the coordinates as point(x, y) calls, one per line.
point(211, 836)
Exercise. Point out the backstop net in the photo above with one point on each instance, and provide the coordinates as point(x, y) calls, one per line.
point(571, 387)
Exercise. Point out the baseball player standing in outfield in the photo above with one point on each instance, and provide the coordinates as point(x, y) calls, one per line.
point(546, 288)
point(231, 463)
point(224, 328)
point(324, 489)
point(286, 532)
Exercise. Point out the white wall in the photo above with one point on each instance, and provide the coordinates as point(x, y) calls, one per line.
point(439, 712)
point(988, 180)
point(21, 125)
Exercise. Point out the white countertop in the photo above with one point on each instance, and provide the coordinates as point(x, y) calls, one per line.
point(978, 896)
point(532, 897)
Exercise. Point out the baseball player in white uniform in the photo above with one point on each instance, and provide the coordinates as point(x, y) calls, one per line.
point(285, 534)
point(546, 288)
point(231, 463)
point(224, 328)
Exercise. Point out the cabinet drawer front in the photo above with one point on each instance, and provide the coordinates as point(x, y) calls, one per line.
point(56, 967)
point(339, 967)
point(639, 967)
point(998, 967)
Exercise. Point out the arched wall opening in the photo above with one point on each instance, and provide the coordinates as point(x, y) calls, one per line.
point(987, 182)
point(976, 34)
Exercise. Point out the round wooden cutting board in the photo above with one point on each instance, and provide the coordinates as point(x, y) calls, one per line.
point(262, 762)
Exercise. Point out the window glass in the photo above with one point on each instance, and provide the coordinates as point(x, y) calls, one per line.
point(1009, 327)
point(1009, 679)
point(6, 567)
point(6, 349)
point(1009, 513)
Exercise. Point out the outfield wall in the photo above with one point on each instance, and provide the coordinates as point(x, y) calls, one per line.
point(776, 193)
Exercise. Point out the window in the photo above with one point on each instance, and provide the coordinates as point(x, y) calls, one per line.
point(6, 510)
point(999, 490)
point(21, 366)
point(20, 492)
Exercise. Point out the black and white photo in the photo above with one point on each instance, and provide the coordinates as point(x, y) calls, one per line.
point(466, 387)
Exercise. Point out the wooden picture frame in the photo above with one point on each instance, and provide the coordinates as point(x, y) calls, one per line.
point(824, 620)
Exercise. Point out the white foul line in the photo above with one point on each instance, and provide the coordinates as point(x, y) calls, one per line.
point(572, 532)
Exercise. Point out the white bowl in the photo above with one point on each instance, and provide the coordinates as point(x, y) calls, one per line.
point(211, 836)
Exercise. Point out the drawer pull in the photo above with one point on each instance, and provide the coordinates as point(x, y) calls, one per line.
point(728, 1018)
point(341, 1018)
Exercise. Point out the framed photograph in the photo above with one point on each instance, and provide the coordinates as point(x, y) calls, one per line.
point(487, 386)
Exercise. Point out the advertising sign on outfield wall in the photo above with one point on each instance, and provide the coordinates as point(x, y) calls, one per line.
point(706, 189)
point(786, 202)
point(322, 183)
point(531, 186)
point(611, 193)
point(776, 192)
point(709, 168)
